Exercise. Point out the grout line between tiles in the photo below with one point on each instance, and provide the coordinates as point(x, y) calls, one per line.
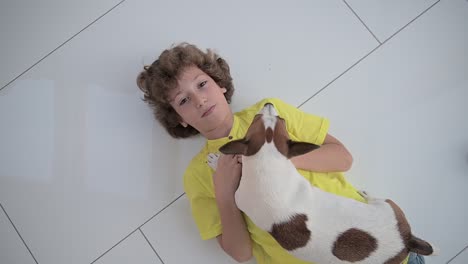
point(427, 9)
point(328, 84)
point(138, 228)
point(21, 74)
point(450, 260)
point(352, 66)
point(114, 246)
point(17, 232)
point(161, 210)
point(151, 246)
point(368, 29)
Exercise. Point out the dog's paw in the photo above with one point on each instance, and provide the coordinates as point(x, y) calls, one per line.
point(369, 197)
point(365, 195)
point(362, 193)
point(212, 160)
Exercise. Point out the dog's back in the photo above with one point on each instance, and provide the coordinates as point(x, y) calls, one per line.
point(312, 224)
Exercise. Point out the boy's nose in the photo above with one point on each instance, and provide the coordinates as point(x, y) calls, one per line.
point(199, 101)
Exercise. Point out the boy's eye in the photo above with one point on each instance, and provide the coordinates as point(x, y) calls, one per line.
point(183, 101)
point(202, 84)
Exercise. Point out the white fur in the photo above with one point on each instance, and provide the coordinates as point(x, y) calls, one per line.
point(271, 191)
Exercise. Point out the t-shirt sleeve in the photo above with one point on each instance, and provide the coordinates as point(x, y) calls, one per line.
point(303, 126)
point(202, 201)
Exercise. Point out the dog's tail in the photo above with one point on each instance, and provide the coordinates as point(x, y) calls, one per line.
point(421, 247)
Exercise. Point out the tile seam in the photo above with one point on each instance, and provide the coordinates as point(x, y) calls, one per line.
point(66, 41)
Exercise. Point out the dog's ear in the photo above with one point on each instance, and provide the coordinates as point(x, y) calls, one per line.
point(299, 148)
point(239, 146)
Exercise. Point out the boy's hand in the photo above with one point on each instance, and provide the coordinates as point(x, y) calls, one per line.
point(227, 176)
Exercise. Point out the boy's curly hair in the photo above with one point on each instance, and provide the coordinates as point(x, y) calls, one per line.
point(158, 79)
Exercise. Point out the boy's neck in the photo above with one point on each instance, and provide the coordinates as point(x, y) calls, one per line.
point(223, 130)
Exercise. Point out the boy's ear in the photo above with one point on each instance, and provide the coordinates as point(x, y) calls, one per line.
point(300, 148)
point(224, 90)
point(236, 147)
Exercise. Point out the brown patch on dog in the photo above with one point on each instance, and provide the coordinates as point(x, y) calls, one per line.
point(292, 234)
point(255, 136)
point(405, 233)
point(420, 246)
point(412, 243)
point(281, 137)
point(354, 245)
point(287, 147)
point(251, 143)
point(300, 148)
point(269, 135)
point(402, 223)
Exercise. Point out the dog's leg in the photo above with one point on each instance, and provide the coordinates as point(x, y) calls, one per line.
point(364, 194)
point(212, 160)
point(370, 198)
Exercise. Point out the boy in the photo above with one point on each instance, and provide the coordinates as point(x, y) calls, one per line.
point(190, 92)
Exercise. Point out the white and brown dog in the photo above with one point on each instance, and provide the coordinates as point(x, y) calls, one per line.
point(309, 223)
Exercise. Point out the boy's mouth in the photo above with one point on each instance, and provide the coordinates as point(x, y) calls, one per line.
point(209, 111)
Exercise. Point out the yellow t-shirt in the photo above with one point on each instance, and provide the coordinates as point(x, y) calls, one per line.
point(198, 178)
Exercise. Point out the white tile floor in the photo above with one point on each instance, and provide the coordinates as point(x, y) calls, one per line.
point(87, 175)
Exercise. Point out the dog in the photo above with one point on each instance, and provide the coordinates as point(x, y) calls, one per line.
point(311, 224)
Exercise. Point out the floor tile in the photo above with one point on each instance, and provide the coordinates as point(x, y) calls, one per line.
point(291, 51)
point(73, 177)
point(174, 229)
point(385, 18)
point(402, 113)
point(82, 167)
point(12, 248)
point(31, 29)
point(461, 259)
point(134, 249)
point(83, 163)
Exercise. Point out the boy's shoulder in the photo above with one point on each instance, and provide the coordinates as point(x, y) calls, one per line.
point(197, 172)
point(198, 160)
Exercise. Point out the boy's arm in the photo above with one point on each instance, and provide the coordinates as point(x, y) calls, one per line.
point(235, 239)
point(330, 157)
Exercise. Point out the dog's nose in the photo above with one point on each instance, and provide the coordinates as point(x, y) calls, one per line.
point(270, 109)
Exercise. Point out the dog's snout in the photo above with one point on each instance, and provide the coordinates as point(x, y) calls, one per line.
point(269, 109)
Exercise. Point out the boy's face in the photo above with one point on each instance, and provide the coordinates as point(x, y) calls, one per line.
point(199, 101)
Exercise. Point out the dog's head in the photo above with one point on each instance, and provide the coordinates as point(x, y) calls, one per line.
point(267, 128)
